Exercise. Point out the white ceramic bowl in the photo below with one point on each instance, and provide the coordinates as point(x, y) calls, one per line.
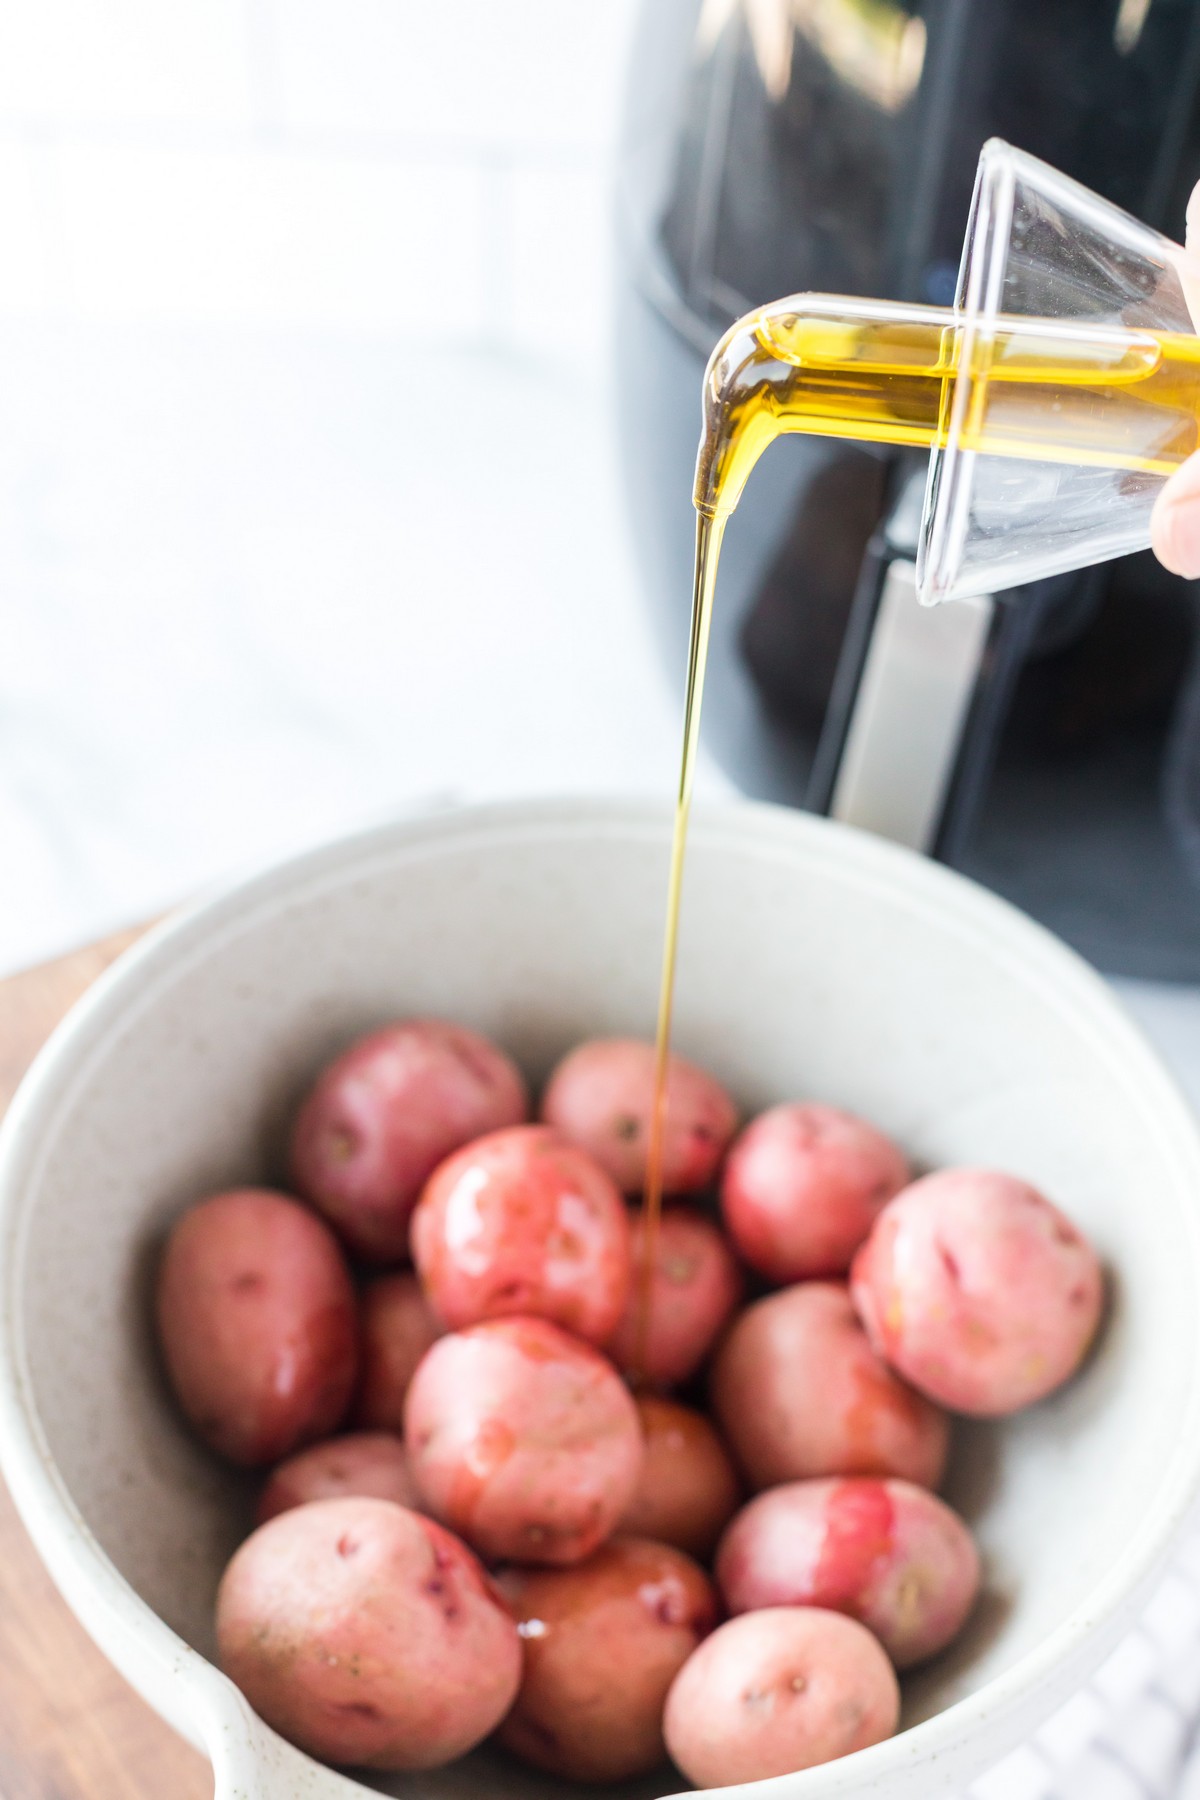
point(814, 962)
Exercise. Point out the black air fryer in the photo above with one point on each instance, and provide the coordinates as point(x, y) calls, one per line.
point(1052, 734)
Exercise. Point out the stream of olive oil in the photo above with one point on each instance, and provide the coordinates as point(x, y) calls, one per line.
point(1112, 397)
point(708, 551)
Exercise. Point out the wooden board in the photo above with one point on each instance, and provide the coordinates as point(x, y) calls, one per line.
point(70, 1727)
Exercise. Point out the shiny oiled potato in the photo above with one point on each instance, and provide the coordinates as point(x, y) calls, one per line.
point(602, 1095)
point(774, 1691)
point(366, 1634)
point(695, 1286)
point(523, 1222)
point(360, 1464)
point(523, 1439)
point(688, 1489)
point(384, 1114)
point(257, 1322)
point(802, 1187)
point(888, 1553)
point(397, 1327)
point(797, 1391)
point(603, 1642)
point(978, 1290)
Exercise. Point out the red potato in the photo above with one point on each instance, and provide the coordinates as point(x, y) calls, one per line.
point(257, 1322)
point(889, 1554)
point(798, 1391)
point(367, 1635)
point(779, 1690)
point(802, 1187)
point(362, 1464)
point(688, 1489)
point(978, 1290)
point(397, 1327)
point(695, 1287)
point(523, 1440)
point(524, 1223)
point(603, 1642)
point(601, 1096)
point(385, 1113)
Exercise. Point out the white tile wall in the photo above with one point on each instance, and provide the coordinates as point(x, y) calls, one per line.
point(385, 165)
point(273, 237)
point(25, 262)
point(560, 268)
point(541, 75)
point(74, 62)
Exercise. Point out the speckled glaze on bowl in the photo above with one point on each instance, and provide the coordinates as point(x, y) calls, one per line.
point(815, 961)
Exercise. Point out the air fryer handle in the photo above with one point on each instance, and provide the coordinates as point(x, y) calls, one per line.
point(916, 683)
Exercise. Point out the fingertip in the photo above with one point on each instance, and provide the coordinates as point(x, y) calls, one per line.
point(1192, 226)
point(1175, 533)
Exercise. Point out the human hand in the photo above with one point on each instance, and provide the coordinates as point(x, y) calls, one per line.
point(1175, 521)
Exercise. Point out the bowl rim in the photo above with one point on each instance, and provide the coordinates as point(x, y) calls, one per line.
point(128, 1629)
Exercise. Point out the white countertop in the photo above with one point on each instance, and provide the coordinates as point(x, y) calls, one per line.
point(260, 587)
